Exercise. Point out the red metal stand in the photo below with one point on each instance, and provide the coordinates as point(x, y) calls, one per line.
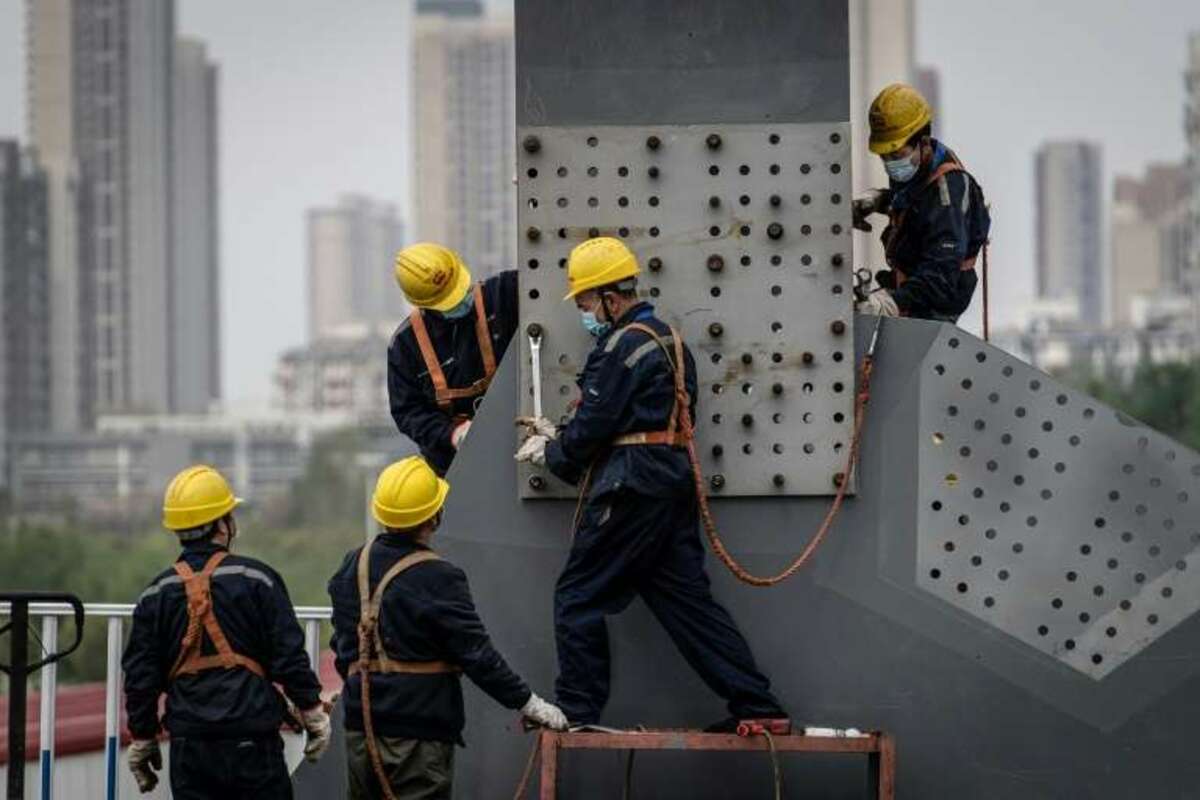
point(880, 749)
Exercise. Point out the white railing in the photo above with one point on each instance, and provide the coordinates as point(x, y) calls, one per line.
point(310, 617)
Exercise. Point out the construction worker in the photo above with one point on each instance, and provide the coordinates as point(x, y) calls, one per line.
point(938, 221)
point(637, 528)
point(442, 358)
point(404, 630)
point(216, 633)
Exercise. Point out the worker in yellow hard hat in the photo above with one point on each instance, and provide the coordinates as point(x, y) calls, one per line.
point(938, 221)
point(404, 630)
point(216, 633)
point(442, 359)
point(638, 524)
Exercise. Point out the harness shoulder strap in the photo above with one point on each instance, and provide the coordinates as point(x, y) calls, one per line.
point(442, 392)
point(675, 360)
point(372, 657)
point(198, 587)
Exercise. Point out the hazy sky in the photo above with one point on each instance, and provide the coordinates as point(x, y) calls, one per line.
point(313, 94)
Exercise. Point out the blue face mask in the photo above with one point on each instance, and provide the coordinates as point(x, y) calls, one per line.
point(901, 170)
point(594, 326)
point(462, 309)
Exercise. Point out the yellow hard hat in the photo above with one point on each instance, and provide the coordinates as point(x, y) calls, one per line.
point(432, 276)
point(599, 262)
point(896, 114)
point(408, 493)
point(196, 497)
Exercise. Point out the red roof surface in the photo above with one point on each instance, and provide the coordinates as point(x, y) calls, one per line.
point(79, 723)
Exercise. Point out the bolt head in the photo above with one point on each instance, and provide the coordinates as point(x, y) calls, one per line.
point(537, 482)
point(533, 234)
point(716, 329)
point(717, 481)
point(747, 420)
point(777, 480)
point(777, 388)
point(838, 327)
point(747, 358)
point(653, 142)
point(655, 264)
point(775, 231)
point(532, 144)
point(715, 263)
point(713, 141)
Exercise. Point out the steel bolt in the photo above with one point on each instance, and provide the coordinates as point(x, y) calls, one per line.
point(533, 234)
point(777, 358)
point(807, 358)
point(537, 483)
point(534, 329)
point(775, 231)
point(593, 233)
point(714, 202)
point(715, 263)
point(777, 480)
point(776, 200)
point(777, 388)
point(718, 451)
point(838, 260)
point(532, 144)
point(652, 172)
point(655, 264)
point(838, 327)
point(653, 142)
point(717, 481)
point(713, 141)
point(747, 359)
point(716, 329)
point(747, 420)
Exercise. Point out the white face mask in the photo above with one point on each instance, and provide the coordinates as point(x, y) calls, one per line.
point(902, 170)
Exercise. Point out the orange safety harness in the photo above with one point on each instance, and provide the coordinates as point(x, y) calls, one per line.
point(681, 433)
point(442, 392)
point(373, 658)
point(202, 620)
point(896, 220)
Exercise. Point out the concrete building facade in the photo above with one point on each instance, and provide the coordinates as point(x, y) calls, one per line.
point(1148, 261)
point(1191, 225)
point(345, 372)
point(351, 247)
point(1069, 223)
point(24, 298)
point(195, 267)
point(464, 128)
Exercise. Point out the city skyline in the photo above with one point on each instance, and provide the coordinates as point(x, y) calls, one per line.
point(343, 102)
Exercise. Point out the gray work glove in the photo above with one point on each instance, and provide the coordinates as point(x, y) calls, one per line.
point(145, 759)
point(316, 724)
point(545, 714)
point(532, 425)
point(533, 450)
point(459, 433)
point(866, 204)
point(880, 303)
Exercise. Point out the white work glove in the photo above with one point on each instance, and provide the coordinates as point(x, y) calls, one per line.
point(145, 759)
point(316, 724)
point(541, 425)
point(865, 205)
point(533, 450)
point(880, 303)
point(459, 433)
point(545, 714)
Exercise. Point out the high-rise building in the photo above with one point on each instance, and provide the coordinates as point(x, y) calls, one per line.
point(24, 298)
point(102, 82)
point(464, 105)
point(882, 47)
point(1192, 130)
point(195, 273)
point(929, 83)
point(351, 247)
point(1070, 227)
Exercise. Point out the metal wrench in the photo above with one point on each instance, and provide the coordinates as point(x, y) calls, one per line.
point(535, 356)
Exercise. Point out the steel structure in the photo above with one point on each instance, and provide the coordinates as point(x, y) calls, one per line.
point(1012, 591)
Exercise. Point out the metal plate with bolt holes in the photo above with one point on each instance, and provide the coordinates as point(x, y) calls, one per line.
point(743, 235)
point(1058, 521)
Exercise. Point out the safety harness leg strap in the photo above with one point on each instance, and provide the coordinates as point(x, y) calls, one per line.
point(442, 392)
point(201, 619)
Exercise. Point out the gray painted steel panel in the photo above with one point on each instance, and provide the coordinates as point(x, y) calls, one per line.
point(854, 639)
point(756, 283)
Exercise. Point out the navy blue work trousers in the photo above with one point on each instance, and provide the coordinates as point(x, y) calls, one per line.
point(630, 544)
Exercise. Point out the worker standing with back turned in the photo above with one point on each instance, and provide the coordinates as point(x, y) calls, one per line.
point(404, 629)
point(215, 633)
point(938, 221)
point(637, 530)
point(442, 358)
